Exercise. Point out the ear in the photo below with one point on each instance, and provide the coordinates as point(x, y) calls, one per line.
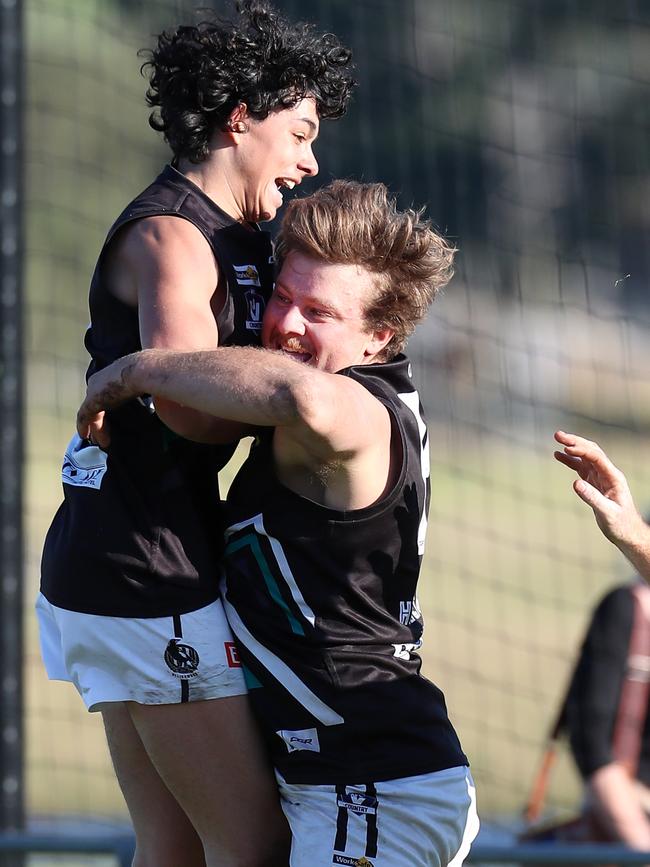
point(237, 122)
point(377, 341)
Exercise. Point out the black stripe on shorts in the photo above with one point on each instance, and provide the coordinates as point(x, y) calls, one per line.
point(372, 834)
point(341, 822)
point(178, 633)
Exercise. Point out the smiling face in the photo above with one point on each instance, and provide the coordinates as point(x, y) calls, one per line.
point(316, 314)
point(274, 154)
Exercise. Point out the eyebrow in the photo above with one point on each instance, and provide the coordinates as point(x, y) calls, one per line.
point(310, 299)
point(310, 123)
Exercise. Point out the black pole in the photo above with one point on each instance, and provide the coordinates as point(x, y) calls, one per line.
point(12, 814)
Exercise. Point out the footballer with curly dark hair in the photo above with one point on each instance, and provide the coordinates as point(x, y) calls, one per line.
point(129, 609)
point(200, 74)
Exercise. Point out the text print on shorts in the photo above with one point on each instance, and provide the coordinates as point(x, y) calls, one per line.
point(355, 862)
point(362, 806)
point(429, 820)
point(84, 465)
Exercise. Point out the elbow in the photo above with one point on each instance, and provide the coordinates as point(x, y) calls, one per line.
point(181, 420)
point(306, 403)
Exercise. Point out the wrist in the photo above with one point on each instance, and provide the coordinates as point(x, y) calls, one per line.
point(133, 373)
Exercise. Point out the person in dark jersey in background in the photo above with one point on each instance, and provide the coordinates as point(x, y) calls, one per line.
point(129, 609)
point(612, 751)
point(327, 522)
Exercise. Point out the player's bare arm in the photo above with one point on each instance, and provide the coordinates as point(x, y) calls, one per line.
point(328, 426)
point(605, 488)
point(165, 267)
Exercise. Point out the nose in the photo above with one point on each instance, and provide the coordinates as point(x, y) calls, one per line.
point(309, 164)
point(291, 321)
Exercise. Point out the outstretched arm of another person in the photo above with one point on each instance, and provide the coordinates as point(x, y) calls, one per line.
point(604, 487)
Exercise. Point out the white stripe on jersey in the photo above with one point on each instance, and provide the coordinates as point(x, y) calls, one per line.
point(285, 570)
point(412, 400)
point(281, 672)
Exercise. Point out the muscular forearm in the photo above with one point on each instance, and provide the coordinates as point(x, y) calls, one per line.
point(616, 801)
point(242, 384)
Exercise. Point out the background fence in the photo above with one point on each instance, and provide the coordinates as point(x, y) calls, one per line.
point(523, 126)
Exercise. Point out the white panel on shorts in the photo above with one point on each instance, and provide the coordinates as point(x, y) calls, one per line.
point(84, 465)
point(141, 659)
point(425, 821)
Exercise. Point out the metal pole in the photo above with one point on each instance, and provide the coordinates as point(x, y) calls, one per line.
point(11, 419)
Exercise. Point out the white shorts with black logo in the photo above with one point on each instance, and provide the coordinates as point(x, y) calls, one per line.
point(424, 821)
point(158, 660)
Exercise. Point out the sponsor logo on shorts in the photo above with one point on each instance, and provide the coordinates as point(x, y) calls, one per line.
point(84, 465)
point(353, 862)
point(232, 654)
point(357, 802)
point(303, 739)
point(182, 659)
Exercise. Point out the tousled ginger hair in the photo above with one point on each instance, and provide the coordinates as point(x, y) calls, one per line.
point(351, 223)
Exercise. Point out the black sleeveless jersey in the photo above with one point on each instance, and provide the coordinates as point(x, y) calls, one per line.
point(139, 533)
point(323, 604)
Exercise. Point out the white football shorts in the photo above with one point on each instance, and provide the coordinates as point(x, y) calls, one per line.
point(157, 660)
point(424, 821)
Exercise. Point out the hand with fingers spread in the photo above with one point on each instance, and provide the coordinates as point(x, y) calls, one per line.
point(604, 487)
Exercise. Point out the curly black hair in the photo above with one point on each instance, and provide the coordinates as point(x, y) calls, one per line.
point(200, 73)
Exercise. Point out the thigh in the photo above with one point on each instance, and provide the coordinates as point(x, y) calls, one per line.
point(210, 755)
point(164, 834)
point(424, 821)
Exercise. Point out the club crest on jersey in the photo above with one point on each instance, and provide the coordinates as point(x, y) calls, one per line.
point(254, 309)
point(358, 802)
point(303, 739)
point(182, 659)
point(247, 275)
point(353, 862)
